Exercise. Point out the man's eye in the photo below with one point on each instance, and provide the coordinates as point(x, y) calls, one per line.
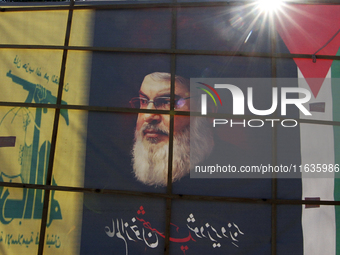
point(164, 101)
point(143, 101)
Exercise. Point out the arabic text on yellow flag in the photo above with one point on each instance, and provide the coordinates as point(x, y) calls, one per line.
point(32, 76)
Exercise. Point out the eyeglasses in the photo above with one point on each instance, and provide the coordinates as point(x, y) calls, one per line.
point(160, 103)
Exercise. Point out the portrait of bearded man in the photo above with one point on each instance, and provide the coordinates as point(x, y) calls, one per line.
point(151, 142)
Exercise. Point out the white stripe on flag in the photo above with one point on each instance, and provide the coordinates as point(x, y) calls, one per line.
point(317, 147)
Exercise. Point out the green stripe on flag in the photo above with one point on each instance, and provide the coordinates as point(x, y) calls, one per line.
point(335, 70)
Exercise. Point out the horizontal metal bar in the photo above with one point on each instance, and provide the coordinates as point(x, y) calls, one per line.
point(168, 51)
point(89, 108)
point(154, 111)
point(142, 5)
point(171, 196)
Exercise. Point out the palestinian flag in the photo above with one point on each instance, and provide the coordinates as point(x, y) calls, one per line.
point(313, 29)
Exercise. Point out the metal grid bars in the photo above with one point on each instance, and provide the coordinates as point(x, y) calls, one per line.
point(169, 196)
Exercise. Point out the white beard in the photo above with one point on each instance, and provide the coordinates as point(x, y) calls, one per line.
point(150, 159)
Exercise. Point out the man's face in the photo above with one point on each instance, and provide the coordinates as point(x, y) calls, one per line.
point(151, 89)
point(150, 150)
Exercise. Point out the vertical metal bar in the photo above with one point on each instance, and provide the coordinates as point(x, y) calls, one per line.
point(274, 140)
point(171, 130)
point(54, 134)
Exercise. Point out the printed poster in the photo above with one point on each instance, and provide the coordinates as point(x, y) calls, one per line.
point(123, 145)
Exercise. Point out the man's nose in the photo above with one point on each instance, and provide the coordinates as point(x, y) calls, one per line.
point(152, 117)
point(151, 105)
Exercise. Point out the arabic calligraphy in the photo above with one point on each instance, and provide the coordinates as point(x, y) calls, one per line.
point(132, 231)
point(124, 231)
point(38, 71)
point(32, 239)
point(33, 159)
point(53, 241)
point(29, 207)
point(232, 231)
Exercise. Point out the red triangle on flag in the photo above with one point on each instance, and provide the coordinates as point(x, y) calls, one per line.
point(305, 29)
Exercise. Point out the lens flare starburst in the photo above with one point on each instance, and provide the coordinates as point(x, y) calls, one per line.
point(270, 5)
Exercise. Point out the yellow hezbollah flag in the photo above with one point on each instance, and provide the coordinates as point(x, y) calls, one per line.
point(33, 76)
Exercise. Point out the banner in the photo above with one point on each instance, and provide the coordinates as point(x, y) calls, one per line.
point(239, 119)
point(33, 76)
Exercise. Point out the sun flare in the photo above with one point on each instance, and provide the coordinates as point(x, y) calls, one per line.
point(270, 5)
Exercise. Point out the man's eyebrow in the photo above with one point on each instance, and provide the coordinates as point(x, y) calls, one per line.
point(169, 95)
point(164, 95)
point(142, 94)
